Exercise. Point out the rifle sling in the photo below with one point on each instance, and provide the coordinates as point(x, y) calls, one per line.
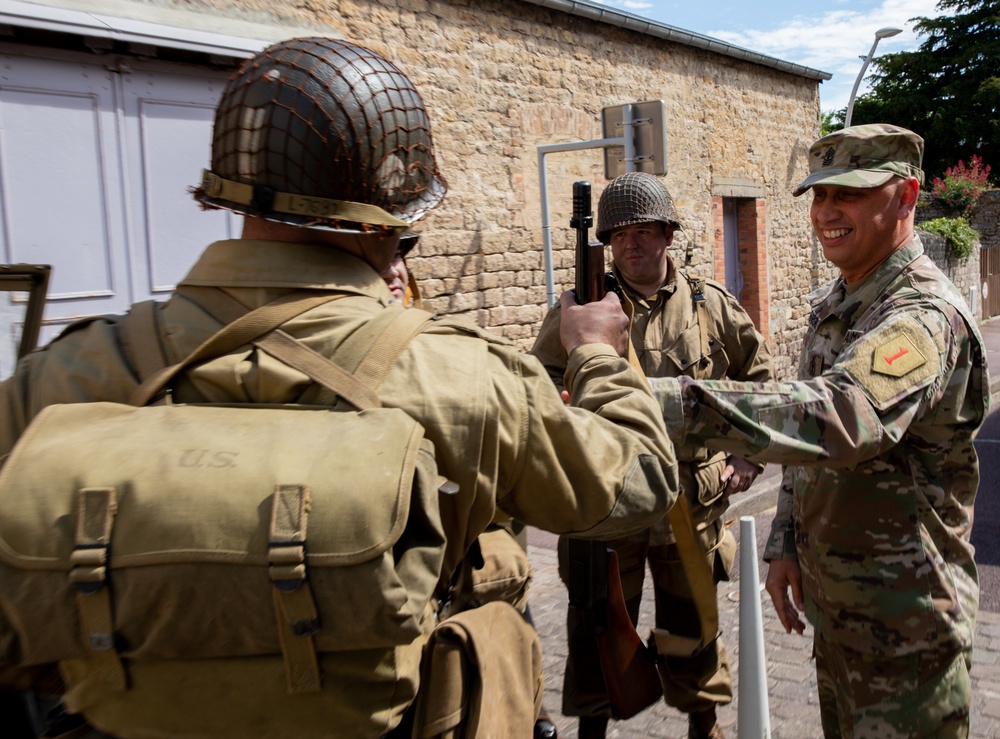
point(694, 558)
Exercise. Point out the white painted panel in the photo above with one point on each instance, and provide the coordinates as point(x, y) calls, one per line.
point(97, 155)
point(168, 143)
point(11, 320)
point(60, 186)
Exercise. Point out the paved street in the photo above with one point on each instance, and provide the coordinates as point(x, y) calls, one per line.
point(791, 678)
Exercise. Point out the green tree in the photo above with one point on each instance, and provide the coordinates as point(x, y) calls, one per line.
point(948, 90)
point(828, 124)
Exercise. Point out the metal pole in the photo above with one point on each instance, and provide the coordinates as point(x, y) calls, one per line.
point(544, 187)
point(628, 135)
point(879, 35)
point(753, 714)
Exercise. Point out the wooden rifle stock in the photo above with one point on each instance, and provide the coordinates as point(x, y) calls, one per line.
point(594, 584)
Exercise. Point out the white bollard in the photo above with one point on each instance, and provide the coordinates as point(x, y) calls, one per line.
point(753, 716)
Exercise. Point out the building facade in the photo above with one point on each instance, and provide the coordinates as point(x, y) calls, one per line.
point(500, 79)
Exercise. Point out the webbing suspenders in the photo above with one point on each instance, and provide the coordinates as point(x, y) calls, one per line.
point(370, 358)
point(697, 287)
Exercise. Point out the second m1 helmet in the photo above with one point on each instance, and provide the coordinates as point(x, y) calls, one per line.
point(631, 198)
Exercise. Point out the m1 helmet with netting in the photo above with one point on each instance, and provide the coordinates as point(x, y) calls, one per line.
point(322, 133)
point(631, 198)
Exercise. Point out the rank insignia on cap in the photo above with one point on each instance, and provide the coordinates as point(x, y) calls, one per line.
point(897, 357)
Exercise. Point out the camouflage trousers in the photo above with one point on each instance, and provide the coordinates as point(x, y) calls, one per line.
point(925, 695)
point(689, 684)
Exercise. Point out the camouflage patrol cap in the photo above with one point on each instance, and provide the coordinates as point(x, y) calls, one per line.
point(631, 198)
point(864, 156)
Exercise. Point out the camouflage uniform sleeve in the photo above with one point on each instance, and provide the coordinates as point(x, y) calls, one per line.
point(781, 541)
point(853, 412)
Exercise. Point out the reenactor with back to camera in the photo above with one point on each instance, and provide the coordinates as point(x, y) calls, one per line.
point(325, 148)
point(400, 280)
point(680, 326)
point(871, 535)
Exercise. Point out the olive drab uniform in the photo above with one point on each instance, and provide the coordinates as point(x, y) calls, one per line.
point(695, 328)
point(876, 503)
point(348, 174)
point(481, 402)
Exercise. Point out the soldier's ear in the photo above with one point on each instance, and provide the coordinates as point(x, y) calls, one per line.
point(908, 194)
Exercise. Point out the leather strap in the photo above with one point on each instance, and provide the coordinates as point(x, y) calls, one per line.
point(694, 558)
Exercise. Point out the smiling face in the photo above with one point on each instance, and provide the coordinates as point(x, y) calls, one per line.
point(860, 227)
point(640, 253)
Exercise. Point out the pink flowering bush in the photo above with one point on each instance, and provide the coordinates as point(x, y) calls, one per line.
point(962, 185)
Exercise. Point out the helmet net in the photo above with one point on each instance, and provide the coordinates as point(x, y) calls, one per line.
point(328, 119)
point(631, 198)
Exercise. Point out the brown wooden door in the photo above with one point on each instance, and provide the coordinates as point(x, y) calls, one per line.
point(989, 270)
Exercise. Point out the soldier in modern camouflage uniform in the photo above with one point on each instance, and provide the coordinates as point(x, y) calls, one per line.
point(871, 535)
point(680, 326)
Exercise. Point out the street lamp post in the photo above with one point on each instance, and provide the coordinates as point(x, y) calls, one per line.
point(879, 35)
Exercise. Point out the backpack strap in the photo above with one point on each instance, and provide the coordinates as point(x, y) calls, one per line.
point(142, 339)
point(360, 363)
point(245, 330)
point(294, 605)
point(282, 346)
point(371, 352)
point(95, 515)
point(701, 314)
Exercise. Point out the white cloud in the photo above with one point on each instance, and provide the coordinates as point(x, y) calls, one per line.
point(836, 41)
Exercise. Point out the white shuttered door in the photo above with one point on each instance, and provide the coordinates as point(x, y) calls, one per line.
point(97, 155)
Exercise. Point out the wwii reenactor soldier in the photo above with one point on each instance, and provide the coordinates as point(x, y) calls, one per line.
point(325, 148)
point(681, 326)
point(871, 535)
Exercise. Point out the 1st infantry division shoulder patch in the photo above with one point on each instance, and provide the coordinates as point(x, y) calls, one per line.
point(897, 357)
point(892, 361)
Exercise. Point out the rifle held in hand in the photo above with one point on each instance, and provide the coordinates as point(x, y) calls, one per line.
point(594, 584)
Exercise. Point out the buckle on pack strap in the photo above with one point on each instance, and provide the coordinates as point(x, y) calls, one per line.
point(294, 606)
point(95, 515)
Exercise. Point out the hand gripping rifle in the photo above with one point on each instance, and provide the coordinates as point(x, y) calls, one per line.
point(593, 582)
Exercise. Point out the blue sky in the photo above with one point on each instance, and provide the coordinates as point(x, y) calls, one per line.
point(832, 36)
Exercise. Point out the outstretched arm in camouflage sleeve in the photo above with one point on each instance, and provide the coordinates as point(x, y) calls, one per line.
point(847, 415)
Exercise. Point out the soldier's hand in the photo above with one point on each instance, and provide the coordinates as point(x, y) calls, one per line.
point(784, 575)
point(738, 476)
point(600, 322)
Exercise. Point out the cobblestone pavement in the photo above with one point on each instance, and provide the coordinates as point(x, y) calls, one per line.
point(794, 710)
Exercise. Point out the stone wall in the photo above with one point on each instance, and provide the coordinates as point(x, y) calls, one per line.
point(502, 77)
point(965, 273)
point(985, 216)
